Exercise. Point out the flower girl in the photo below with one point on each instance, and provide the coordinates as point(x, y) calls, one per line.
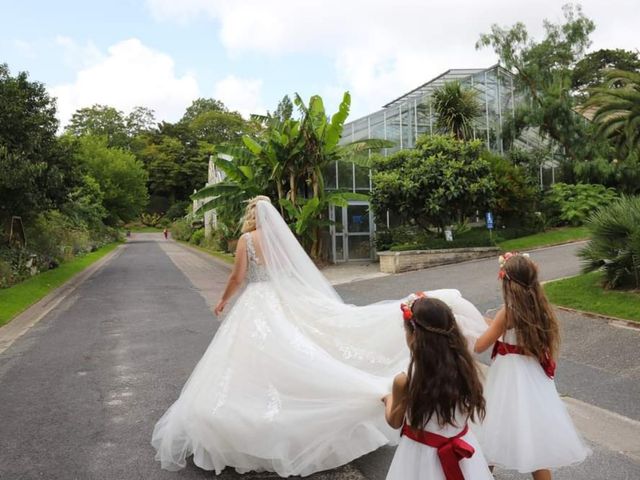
point(434, 401)
point(526, 427)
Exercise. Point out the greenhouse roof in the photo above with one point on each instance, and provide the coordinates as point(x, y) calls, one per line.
point(448, 76)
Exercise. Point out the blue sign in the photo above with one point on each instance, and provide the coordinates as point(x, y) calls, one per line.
point(489, 220)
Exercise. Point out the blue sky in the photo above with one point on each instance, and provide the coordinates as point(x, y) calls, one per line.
point(249, 53)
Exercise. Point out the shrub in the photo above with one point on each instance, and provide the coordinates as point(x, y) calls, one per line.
point(181, 230)
point(572, 204)
point(517, 197)
point(150, 219)
point(197, 237)
point(615, 243)
point(177, 210)
point(440, 182)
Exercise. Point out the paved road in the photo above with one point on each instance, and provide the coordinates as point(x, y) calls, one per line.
point(80, 392)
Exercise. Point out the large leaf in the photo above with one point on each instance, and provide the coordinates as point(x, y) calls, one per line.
point(336, 126)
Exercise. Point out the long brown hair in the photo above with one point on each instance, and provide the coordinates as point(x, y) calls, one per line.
point(528, 310)
point(443, 377)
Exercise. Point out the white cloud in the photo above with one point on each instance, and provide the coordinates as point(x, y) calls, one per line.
point(243, 95)
point(382, 48)
point(78, 56)
point(129, 74)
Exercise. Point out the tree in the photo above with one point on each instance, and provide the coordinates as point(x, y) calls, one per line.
point(139, 121)
point(544, 71)
point(37, 172)
point(440, 182)
point(590, 71)
point(288, 159)
point(618, 110)
point(120, 176)
point(100, 120)
point(456, 108)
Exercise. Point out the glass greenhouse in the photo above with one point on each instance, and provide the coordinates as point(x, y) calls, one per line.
point(402, 121)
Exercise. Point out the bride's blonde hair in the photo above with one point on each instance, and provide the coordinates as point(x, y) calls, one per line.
point(249, 218)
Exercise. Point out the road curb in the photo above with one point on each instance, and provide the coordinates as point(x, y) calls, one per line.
point(21, 324)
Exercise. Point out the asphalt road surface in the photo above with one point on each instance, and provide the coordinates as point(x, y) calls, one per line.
point(81, 391)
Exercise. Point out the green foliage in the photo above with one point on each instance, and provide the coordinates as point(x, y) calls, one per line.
point(197, 237)
point(122, 178)
point(544, 72)
point(105, 121)
point(85, 204)
point(441, 182)
point(150, 219)
point(177, 210)
point(456, 108)
point(585, 292)
point(572, 204)
point(516, 193)
point(181, 230)
point(36, 170)
point(618, 110)
point(287, 160)
point(614, 247)
point(590, 71)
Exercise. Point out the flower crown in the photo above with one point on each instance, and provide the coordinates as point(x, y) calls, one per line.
point(503, 259)
point(407, 305)
point(407, 314)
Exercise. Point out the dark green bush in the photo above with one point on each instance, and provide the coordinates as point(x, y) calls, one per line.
point(177, 210)
point(615, 243)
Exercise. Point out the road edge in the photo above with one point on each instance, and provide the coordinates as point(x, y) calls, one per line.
point(23, 322)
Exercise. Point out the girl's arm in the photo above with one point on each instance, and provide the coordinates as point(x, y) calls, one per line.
point(237, 275)
point(496, 328)
point(395, 404)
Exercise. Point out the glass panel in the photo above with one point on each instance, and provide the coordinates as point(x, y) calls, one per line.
point(329, 174)
point(362, 178)
point(337, 211)
point(339, 248)
point(345, 176)
point(359, 247)
point(358, 219)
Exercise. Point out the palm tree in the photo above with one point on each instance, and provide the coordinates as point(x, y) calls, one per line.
point(618, 109)
point(456, 108)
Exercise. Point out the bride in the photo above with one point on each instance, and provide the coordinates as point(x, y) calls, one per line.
point(292, 381)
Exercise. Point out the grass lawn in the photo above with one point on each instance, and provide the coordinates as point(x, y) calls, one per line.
point(584, 292)
point(16, 299)
point(544, 239)
point(225, 257)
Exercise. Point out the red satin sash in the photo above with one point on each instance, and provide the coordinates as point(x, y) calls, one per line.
point(502, 348)
point(450, 450)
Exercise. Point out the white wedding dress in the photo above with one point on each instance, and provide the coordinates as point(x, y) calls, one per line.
point(293, 379)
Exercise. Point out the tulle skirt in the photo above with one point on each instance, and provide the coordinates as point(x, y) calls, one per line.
point(527, 426)
point(288, 391)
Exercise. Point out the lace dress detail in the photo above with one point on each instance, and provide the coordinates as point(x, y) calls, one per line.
point(256, 272)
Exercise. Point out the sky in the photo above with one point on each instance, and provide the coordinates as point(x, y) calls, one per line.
point(163, 54)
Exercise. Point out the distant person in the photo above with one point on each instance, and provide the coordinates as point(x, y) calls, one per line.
point(527, 427)
point(166, 233)
point(436, 399)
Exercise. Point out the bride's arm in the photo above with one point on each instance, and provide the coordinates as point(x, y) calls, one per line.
point(237, 275)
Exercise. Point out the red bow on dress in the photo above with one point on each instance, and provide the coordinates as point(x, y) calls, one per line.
point(502, 348)
point(450, 449)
